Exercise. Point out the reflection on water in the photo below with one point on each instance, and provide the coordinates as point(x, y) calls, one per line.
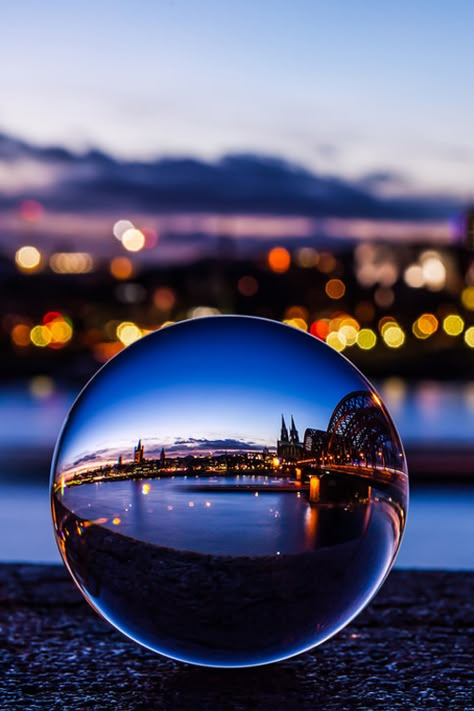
point(201, 518)
point(156, 555)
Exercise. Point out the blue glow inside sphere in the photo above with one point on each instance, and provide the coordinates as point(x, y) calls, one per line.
point(229, 491)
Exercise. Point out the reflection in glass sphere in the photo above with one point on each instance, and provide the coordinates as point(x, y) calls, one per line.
point(229, 491)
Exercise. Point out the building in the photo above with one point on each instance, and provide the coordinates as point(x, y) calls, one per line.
point(289, 446)
point(139, 453)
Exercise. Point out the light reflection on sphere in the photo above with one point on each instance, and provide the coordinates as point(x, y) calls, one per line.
point(229, 491)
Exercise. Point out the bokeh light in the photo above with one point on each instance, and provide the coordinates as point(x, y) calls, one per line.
point(393, 336)
point(279, 260)
point(20, 335)
point(247, 286)
point(469, 336)
point(128, 332)
point(467, 298)
point(335, 289)
point(28, 258)
point(133, 239)
point(164, 298)
point(453, 325)
point(366, 339)
point(71, 262)
point(121, 268)
point(424, 326)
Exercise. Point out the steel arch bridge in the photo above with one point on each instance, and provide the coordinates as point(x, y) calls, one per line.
point(360, 432)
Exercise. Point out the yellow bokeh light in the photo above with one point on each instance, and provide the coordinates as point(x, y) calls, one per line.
point(40, 336)
point(116, 521)
point(335, 289)
point(349, 334)
point(336, 341)
point(453, 325)
point(467, 298)
point(366, 339)
point(133, 239)
point(393, 336)
point(61, 330)
point(469, 337)
point(425, 326)
point(385, 322)
point(128, 332)
point(279, 260)
point(28, 258)
point(297, 323)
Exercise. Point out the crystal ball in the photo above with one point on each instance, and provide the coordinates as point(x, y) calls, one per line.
point(229, 491)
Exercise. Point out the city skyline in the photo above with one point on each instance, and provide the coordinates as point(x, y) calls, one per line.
point(199, 381)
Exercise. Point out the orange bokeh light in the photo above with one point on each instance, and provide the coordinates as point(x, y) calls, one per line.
point(279, 260)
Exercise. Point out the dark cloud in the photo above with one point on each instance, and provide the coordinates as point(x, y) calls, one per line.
point(202, 444)
point(246, 183)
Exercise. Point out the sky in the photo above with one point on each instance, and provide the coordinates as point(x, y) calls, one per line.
point(214, 384)
point(347, 89)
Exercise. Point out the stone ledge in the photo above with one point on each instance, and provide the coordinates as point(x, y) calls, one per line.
point(412, 648)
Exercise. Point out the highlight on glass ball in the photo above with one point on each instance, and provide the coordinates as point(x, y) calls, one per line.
point(229, 491)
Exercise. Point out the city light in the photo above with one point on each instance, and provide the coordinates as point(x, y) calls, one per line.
point(200, 311)
point(71, 262)
point(279, 260)
point(366, 339)
point(469, 337)
point(41, 387)
point(307, 257)
point(424, 326)
point(467, 298)
point(20, 335)
point(413, 276)
point(121, 268)
point(320, 328)
point(120, 227)
point(393, 336)
point(453, 325)
point(335, 289)
point(247, 286)
point(297, 323)
point(128, 332)
point(164, 298)
point(40, 336)
point(336, 341)
point(433, 270)
point(133, 239)
point(28, 258)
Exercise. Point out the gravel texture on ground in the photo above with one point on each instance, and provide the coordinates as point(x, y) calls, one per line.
point(412, 648)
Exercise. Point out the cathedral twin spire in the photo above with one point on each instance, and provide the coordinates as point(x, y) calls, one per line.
point(293, 437)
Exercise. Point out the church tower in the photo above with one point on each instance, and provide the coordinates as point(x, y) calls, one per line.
point(139, 453)
point(294, 436)
point(284, 431)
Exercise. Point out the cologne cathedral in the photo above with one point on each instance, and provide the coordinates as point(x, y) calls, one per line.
point(289, 446)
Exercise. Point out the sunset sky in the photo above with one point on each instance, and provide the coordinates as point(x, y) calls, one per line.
point(369, 90)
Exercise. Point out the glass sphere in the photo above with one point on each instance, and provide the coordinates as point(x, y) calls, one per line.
point(229, 491)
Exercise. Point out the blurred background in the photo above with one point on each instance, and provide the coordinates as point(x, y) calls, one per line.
point(309, 162)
